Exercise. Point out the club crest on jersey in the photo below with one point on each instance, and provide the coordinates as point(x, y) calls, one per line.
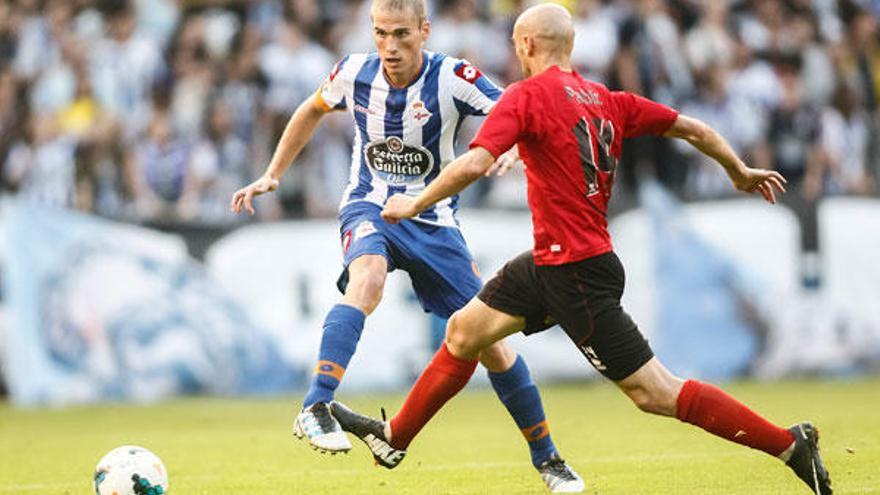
point(468, 72)
point(396, 162)
point(420, 113)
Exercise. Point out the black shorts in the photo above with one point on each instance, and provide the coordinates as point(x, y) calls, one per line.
point(583, 298)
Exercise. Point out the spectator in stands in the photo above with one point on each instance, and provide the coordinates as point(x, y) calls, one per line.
point(40, 166)
point(861, 65)
point(818, 71)
point(762, 25)
point(218, 165)
point(38, 43)
point(243, 85)
point(193, 76)
point(734, 117)
point(459, 30)
point(13, 110)
point(160, 173)
point(794, 140)
point(294, 66)
point(710, 43)
point(595, 40)
point(846, 128)
point(102, 185)
point(649, 62)
point(125, 66)
point(754, 79)
point(8, 35)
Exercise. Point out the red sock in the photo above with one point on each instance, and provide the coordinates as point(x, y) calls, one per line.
point(717, 412)
point(444, 377)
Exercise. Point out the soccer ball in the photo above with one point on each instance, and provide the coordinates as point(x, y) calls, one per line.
point(130, 470)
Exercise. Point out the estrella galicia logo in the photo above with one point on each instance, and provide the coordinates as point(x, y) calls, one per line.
point(398, 163)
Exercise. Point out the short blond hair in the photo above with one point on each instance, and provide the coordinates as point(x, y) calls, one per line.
point(418, 7)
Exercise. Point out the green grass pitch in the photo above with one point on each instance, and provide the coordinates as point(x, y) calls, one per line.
point(232, 446)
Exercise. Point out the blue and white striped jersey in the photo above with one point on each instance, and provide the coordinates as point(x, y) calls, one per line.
point(404, 136)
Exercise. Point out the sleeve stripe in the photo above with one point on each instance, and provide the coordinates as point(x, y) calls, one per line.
point(487, 88)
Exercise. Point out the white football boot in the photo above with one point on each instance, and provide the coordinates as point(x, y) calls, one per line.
point(559, 476)
point(321, 428)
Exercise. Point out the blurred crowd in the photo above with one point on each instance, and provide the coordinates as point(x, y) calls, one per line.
point(157, 110)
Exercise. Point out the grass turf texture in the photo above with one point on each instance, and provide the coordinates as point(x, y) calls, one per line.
point(219, 446)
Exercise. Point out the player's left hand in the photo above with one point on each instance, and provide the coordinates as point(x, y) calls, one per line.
point(505, 162)
point(755, 180)
point(398, 207)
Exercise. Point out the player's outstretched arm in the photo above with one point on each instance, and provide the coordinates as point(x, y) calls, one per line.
point(297, 133)
point(710, 143)
point(456, 176)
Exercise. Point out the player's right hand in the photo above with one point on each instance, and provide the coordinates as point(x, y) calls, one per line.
point(755, 180)
point(244, 196)
point(398, 207)
point(505, 162)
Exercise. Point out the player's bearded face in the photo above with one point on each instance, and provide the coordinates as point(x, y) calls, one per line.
point(399, 38)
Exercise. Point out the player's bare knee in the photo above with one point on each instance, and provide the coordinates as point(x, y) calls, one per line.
point(366, 290)
point(459, 341)
point(454, 336)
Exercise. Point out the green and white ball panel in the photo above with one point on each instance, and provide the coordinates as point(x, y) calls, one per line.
point(130, 470)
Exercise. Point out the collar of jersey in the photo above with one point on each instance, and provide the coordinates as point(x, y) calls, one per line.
point(425, 57)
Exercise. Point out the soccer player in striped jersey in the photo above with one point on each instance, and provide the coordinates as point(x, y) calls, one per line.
point(407, 104)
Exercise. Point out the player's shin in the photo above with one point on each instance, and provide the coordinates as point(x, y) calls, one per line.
point(520, 396)
point(444, 377)
point(342, 331)
point(717, 412)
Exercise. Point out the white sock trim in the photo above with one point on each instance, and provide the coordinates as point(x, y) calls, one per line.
point(786, 454)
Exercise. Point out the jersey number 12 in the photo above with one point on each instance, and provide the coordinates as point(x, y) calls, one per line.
point(591, 163)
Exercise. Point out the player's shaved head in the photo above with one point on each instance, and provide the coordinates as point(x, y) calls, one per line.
point(417, 8)
point(550, 25)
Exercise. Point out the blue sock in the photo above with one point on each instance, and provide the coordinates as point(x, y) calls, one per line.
point(523, 401)
point(342, 330)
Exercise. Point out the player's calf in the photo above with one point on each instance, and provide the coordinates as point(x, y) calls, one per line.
point(653, 388)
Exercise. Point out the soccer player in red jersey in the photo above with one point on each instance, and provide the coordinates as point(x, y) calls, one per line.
point(569, 132)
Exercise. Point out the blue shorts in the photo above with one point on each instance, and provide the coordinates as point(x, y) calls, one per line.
point(440, 266)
